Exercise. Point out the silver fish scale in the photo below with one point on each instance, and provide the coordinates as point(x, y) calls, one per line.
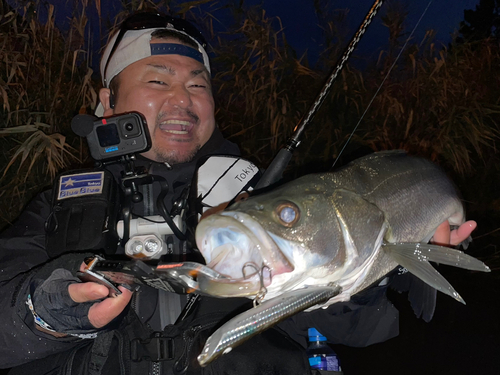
point(391, 180)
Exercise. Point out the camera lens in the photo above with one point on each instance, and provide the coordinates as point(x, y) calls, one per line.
point(130, 126)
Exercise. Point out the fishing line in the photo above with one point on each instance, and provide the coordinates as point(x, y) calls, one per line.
point(382, 83)
point(275, 170)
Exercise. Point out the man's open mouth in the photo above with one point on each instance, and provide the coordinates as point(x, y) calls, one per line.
point(178, 127)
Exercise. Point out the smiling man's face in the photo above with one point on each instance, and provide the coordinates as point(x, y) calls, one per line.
point(174, 94)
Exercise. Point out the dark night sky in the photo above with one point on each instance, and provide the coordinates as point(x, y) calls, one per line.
point(301, 28)
point(301, 24)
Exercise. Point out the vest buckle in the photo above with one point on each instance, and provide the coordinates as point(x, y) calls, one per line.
point(155, 349)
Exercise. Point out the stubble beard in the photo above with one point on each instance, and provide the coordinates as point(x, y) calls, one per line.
point(174, 156)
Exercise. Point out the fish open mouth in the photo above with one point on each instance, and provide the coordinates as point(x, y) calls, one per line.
point(236, 246)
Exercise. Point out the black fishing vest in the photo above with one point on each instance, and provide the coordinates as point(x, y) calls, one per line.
point(133, 348)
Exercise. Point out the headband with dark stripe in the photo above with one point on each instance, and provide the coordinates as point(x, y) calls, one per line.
point(175, 49)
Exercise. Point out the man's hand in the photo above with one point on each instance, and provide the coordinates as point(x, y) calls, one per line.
point(103, 312)
point(70, 306)
point(446, 237)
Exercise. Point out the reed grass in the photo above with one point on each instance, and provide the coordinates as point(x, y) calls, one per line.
point(44, 81)
point(439, 102)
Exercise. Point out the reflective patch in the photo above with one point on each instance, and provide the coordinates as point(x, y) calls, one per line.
point(77, 185)
point(221, 178)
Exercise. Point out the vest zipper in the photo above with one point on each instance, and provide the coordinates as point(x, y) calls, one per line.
point(155, 368)
point(133, 303)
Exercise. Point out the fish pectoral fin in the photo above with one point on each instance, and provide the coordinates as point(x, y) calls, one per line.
point(415, 258)
point(438, 254)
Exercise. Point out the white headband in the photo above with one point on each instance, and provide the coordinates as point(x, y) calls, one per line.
point(134, 46)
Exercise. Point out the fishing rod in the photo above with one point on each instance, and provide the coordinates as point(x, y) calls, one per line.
point(275, 170)
point(382, 83)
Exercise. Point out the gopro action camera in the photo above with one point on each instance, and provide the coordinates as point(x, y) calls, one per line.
point(113, 137)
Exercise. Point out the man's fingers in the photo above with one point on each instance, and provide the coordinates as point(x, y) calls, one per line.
point(83, 266)
point(442, 234)
point(86, 292)
point(463, 232)
point(105, 311)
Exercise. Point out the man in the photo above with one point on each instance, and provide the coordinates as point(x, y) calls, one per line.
point(52, 323)
point(157, 66)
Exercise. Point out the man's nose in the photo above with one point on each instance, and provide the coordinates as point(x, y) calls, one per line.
point(179, 96)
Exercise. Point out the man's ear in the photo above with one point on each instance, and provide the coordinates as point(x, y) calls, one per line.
point(104, 97)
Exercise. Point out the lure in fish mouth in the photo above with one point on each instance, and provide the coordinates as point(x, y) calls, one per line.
point(347, 229)
point(240, 249)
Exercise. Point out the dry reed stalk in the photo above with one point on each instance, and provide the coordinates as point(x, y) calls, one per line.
point(44, 82)
point(438, 103)
point(441, 105)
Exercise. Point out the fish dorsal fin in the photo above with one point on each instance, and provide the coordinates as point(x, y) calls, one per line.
point(415, 258)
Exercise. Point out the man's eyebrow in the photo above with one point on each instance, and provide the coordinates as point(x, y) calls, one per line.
point(172, 71)
point(197, 72)
point(165, 68)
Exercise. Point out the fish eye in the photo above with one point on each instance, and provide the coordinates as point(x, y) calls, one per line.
point(288, 213)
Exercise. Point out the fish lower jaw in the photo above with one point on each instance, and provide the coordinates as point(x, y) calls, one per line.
point(224, 287)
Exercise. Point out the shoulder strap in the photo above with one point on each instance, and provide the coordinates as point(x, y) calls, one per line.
point(99, 352)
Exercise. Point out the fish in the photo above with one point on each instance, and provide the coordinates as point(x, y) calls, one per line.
point(347, 228)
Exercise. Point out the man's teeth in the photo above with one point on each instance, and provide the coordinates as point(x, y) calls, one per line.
point(183, 124)
point(176, 131)
point(176, 122)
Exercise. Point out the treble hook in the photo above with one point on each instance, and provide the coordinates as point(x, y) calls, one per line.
point(262, 290)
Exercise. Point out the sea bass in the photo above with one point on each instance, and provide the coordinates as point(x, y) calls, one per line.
point(345, 229)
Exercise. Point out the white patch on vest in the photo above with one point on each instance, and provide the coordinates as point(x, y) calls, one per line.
point(221, 178)
point(77, 185)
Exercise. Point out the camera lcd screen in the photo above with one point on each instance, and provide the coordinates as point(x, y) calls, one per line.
point(108, 135)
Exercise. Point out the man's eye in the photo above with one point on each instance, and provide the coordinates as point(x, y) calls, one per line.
point(158, 82)
point(198, 86)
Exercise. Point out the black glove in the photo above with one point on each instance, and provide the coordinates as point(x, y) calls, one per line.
point(53, 304)
point(50, 296)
